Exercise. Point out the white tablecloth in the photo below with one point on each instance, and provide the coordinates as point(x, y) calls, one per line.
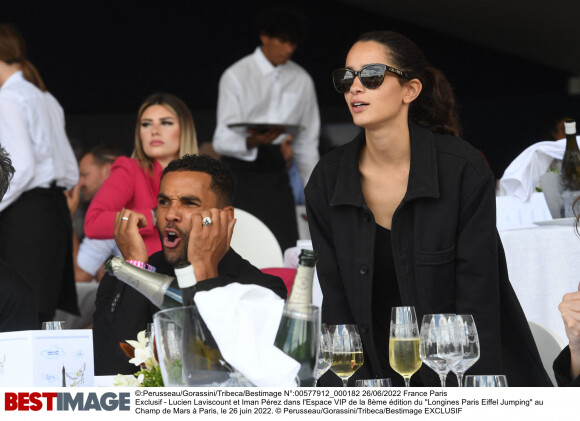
point(543, 265)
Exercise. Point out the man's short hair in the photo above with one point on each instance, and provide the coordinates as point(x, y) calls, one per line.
point(104, 154)
point(6, 172)
point(223, 183)
point(284, 23)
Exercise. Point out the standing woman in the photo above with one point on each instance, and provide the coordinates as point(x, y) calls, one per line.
point(405, 215)
point(35, 226)
point(164, 131)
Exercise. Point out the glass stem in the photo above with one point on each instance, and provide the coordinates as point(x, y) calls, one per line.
point(344, 382)
point(459, 379)
point(407, 381)
point(443, 377)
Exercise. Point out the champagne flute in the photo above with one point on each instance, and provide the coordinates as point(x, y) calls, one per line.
point(485, 381)
point(404, 342)
point(347, 349)
point(325, 353)
point(441, 344)
point(298, 336)
point(466, 325)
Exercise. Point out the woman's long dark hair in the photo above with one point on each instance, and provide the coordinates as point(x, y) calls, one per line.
point(13, 50)
point(434, 108)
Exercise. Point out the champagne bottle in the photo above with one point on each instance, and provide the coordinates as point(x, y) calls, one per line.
point(298, 332)
point(570, 173)
point(161, 290)
point(302, 287)
point(186, 281)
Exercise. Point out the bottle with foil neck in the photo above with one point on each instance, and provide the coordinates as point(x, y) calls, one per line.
point(161, 290)
point(302, 288)
point(570, 172)
point(186, 281)
point(571, 162)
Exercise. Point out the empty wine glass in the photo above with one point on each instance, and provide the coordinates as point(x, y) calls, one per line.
point(485, 381)
point(466, 324)
point(441, 343)
point(54, 325)
point(325, 354)
point(347, 351)
point(373, 383)
point(404, 342)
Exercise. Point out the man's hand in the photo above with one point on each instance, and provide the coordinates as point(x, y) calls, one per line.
point(257, 139)
point(208, 244)
point(73, 197)
point(570, 309)
point(129, 241)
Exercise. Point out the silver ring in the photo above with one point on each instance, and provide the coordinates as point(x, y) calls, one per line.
point(124, 218)
point(207, 221)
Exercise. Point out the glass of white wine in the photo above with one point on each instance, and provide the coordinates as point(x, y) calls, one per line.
point(347, 351)
point(404, 342)
point(466, 326)
point(325, 354)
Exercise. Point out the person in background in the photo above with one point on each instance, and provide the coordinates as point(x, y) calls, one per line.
point(404, 215)
point(89, 258)
point(192, 188)
point(267, 87)
point(17, 301)
point(35, 226)
point(164, 132)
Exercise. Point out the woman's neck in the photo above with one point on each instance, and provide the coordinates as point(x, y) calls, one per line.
point(7, 70)
point(390, 145)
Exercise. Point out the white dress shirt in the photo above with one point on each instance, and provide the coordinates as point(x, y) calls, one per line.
point(253, 90)
point(94, 253)
point(32, 132)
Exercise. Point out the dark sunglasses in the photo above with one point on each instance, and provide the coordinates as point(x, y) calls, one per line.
point(371, 76)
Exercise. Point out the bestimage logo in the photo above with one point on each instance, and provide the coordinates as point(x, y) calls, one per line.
point(52, 401)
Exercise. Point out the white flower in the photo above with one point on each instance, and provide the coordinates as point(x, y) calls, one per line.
point(128, 380)
point(143, 352)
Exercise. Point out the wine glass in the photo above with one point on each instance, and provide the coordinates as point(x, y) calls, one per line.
point(441, 343)
point(404, 342)
point(373, 383)
point(298, 336)
point(54, 325)
point(466, 324)
point(325, 353)
point(485, 381)
point(347, 349)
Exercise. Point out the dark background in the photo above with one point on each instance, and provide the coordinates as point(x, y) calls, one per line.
point(101, 60)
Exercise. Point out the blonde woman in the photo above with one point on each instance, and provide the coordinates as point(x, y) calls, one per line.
point(164, 131)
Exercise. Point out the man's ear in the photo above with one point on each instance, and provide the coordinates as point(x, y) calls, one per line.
point(230, 211)
point(412, 90)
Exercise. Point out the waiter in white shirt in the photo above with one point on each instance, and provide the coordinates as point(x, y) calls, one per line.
point(35, 226)
point(267, 87)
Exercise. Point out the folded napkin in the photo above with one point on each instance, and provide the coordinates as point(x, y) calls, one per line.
point(523, 175)
point(244, 320)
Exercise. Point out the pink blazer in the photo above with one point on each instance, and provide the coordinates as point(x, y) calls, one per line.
point(129, 186)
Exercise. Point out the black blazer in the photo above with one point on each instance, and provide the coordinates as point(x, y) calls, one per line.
point(447, 252)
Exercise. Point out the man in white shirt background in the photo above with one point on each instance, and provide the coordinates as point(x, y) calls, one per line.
point(267, 87)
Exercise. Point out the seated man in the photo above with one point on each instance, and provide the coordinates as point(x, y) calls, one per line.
point(17, 300)
point(192, 188)
point(567, 364)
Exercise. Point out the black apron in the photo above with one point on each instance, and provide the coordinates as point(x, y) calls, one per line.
point(263, 189)
point(36, 240)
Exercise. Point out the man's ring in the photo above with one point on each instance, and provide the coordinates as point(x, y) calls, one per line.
point(207, 221)
point(124, 218)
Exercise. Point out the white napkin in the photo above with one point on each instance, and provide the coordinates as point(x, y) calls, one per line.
point(244, 320)
point(522, 176)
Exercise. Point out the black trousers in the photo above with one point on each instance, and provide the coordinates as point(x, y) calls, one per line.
point(36, 240)
point(263, 189)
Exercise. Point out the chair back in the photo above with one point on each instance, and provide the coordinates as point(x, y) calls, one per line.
point(254, 241)
point(549, 345)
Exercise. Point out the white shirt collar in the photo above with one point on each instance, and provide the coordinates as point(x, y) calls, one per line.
point(264, 64)
point(15, 77)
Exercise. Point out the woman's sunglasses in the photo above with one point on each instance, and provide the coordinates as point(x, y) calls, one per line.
point(371, 76)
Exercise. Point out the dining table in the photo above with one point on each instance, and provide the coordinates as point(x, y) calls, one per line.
point(543, 264)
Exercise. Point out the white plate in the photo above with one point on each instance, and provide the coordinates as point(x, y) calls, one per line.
point(559, 221)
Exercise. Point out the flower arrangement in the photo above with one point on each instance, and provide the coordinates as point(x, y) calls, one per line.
point(142, 354)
